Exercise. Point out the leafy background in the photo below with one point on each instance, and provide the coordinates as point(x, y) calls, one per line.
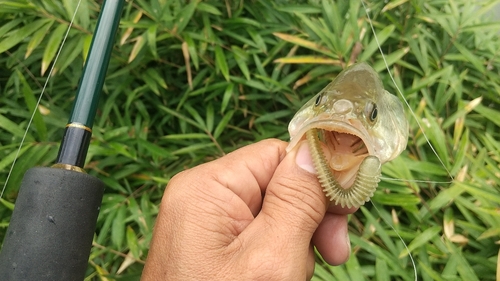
point(192, 80)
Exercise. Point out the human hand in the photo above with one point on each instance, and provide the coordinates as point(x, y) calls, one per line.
point(253, 214)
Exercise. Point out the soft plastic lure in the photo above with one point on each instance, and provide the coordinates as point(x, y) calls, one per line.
point(352, 127)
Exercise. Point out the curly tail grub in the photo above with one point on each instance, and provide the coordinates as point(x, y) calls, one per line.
point(360, 191)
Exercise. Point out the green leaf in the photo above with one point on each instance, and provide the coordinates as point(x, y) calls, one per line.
point(273, 116)
point(421, 239)
point(436, 136)
point(13, 128)
point(182, 117)
point(194, 113)
point(31, 102)
point(139, 43)
point(184, 16)
point(18, 35)
point(155, 150)
point(381, 270)
point(193, 54)
point(153, 73)
point(186, 136)
point(241, 59)
point(69, 53)
point(391, 59)
point(207, 8)
point(192, 148)
point(490, 114)
point(70, 7)
point(6, 27)
point(151, 36)
point(396, 199)
point(52, 46)
point(470, 57)
point(220, 62)
point(210, 117)
point(7, 204)
point(372, 47)
point(228, 93)
point(223, 123)
point(9, 159)
point(87, 41)
point(133, 243)
point(118, 226)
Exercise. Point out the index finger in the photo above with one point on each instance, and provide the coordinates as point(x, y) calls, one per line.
point(246, 171)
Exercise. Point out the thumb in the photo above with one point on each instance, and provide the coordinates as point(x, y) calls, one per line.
point(294, 203)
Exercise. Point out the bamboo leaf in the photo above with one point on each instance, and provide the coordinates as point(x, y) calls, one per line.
point(70, 7)
point(31, 102)
point(228, 93)
point(52, 46)
point(37, 37)
point(139, 43)
point(193, 54)
point(302, 42)
point(205, 7)
point(241, 59)
point(184, 16)
point(118, 226)
point(18, 35)
point(9, 25)
point(151, 36)
point(7, 204)
point(308, 59)
point(69, 53)
point(423, 238)
point(221, 62)
point(13, 128)
point(223, 124)
point(133, 243)
point(210, 117)
point(470, 57)
point(372, 47)
point(9, 159)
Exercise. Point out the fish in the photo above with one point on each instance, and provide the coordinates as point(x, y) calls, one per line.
point(352, 127)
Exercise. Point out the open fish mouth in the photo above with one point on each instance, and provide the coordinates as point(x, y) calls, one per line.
point(347, 170)
point(338, 136)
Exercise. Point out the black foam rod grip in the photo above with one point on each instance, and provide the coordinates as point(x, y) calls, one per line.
point(50, 233)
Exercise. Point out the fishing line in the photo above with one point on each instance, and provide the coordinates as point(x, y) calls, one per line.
point(416, 181)
point(401, 94)
point(415, 117)
point(400, 238)
point(40, 98)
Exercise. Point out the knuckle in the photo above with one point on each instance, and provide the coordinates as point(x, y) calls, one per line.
point(302, 199)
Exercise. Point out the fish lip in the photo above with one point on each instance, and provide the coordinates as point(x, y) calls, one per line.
point(349, 127)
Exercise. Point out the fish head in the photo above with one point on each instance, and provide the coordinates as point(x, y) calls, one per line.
point(357, 118)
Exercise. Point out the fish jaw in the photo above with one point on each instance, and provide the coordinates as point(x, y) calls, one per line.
point(341, 140)
point(350, 126)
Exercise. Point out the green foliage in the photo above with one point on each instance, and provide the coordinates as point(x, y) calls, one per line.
point(190, 81)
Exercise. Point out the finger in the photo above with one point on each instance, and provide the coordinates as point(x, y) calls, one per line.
point(293, 206)
point(310, 263)
point(339, 210)
point(247, 171)
point(332, 240)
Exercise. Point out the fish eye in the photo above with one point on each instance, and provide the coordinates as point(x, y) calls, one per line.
point(318, 100)
point(371, 111)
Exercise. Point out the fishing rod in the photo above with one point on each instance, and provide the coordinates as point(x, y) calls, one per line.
point(50, 233)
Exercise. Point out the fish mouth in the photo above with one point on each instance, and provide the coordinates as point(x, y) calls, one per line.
point(345, 146)
point(338, 134)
